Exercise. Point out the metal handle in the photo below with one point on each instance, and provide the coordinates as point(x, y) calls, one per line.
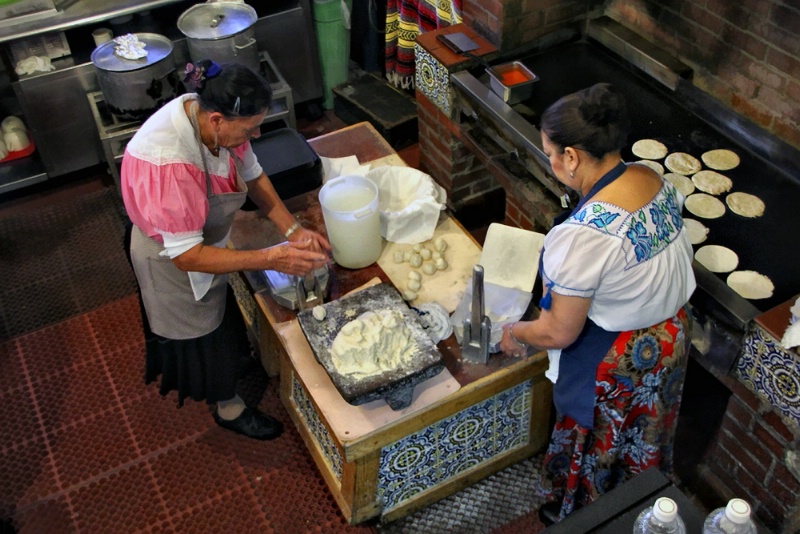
point(216, 20)
point(477, 302)
point(251, 42)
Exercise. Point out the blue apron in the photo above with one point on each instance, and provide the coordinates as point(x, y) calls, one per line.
point(574, 391)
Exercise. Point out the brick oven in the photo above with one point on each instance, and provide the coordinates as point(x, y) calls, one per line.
point(741, 417)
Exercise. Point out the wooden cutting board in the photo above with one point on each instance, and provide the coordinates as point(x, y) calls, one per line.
point(395, 386)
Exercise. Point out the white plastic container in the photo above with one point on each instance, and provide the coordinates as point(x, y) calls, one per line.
point(350, 210)
point(731, 519)
point(661, 518)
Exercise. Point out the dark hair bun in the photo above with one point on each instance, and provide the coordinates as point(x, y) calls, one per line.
point(601, 105)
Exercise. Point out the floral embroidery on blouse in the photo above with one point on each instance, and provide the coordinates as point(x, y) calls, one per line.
point(647, 231)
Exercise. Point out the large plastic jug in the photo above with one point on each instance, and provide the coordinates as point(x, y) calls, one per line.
point(350, 210)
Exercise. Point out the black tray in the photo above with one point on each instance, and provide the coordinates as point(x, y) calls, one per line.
point(396, 386)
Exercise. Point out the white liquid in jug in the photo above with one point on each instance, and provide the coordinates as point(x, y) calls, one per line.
point(356, 241)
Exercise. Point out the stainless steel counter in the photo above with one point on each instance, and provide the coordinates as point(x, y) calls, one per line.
point(75, 13)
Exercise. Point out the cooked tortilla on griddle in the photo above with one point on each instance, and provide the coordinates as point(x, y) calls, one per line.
point(683, 184)
point(745, 204)
point(712, 182)
point(656, 166)
point(717, 259)
point(649, 149)
point(683, 163)
point(751, 285)
point(721, 159)
point(705, 206)
point(698, 232)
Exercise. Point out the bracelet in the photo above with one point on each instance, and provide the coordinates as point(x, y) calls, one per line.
point(292, 229)
point(514, 339)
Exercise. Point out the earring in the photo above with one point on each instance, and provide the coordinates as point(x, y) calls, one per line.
point(572, 174)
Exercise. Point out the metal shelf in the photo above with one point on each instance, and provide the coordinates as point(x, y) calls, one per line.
point(115, 132)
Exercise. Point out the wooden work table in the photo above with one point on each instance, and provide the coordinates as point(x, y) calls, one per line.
point(466, 423)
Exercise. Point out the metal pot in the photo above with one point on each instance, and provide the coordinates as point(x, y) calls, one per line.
point(221, 31)
point(134, 88)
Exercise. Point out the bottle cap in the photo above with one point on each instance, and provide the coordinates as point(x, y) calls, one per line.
point(665, 510)
point(737, 511)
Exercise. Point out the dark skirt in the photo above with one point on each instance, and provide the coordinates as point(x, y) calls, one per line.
point(204, 368)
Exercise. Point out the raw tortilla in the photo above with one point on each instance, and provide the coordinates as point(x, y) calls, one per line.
point(705, 206)
point(656, 166)
point(721, 159)
point(717, 259)
point(745, 204)
point(712, 182)
point(751, 285)
point(683, 163)
point(697, 231)
point(649, 149)
point(681, 183)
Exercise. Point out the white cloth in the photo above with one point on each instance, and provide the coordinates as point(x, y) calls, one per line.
point(636, 267)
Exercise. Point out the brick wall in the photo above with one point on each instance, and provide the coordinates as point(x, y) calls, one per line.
point(509, 24)
point(750, 458)
point(744, 53)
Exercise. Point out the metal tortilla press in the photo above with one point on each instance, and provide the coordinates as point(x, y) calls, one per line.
point(297, 292)
point(477, 326)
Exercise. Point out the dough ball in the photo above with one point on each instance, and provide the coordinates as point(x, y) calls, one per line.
point(440, 244)
point(413, 285)
point(425, 253)
point(319, 313)
point(441, 264)
point(409, 295)
point(429, 268)
point(398, 256)
point(416, 260)
point(414, 275)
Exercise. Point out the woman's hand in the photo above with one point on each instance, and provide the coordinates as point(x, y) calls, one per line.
point(296, 257)
point(318, 243)
point(510, 345)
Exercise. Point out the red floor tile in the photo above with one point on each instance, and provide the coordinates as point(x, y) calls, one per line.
point(19, 420)
point(117, 324)
point(91, 447)
point(12, 371)
point(236, 511)
point(126, 369)
point(28, 476)
point(125, 501)
point(51, 516)
point(195, 472)
point(157, 422)
point(56, 348)
point(74, 394)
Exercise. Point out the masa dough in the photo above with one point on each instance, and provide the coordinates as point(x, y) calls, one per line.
point(683, 163)
point(745, 204)
point(712, 182)
point(372, 343)
point(649, 149)
point(721, 159)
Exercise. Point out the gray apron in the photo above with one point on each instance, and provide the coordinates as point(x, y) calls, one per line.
point(166, 291)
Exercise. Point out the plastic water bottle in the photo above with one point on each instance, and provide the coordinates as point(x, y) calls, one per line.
point(661, 518)
point(731, 519)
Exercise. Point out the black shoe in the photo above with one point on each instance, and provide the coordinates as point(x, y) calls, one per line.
point(549, 512)
point(253, 424)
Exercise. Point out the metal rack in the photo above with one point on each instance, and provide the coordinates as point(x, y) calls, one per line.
point(115, 132)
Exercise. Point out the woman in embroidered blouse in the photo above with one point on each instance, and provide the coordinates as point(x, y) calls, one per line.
point(185, 173)
point(616, 274)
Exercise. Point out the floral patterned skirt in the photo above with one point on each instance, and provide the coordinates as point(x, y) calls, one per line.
point(637, 399)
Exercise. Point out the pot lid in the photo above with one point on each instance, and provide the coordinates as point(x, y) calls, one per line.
point(157, 46)
point(216, 20)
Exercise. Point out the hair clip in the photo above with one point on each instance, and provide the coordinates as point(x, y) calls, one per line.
point(236, 105)
point(213, 70)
